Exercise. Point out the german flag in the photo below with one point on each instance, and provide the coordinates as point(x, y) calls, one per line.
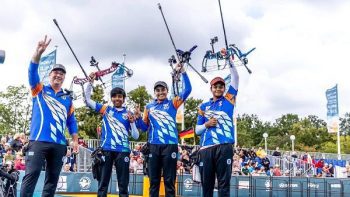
point(188, 133)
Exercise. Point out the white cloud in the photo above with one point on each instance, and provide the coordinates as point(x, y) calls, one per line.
point(301, 46)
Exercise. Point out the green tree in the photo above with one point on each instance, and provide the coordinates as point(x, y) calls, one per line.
point(14, 109)
point(345, 125)
point(310, 133)
point(139, 96)
point(88, 119)
point(250, 130)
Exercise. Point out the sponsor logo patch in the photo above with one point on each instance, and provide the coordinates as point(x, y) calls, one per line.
point(126, 159)
point(173, 155)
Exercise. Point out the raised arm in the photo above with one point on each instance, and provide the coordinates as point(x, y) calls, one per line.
point(187, 89)
point(34, 79)
point(133, 128)
point(141, 123)
point(90, 103)
point(234, 76)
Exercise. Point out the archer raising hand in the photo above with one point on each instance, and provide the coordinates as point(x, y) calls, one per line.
point(42, 45)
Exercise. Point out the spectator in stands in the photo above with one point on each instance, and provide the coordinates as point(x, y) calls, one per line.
point(277, 152)
point(265, 161)
point(319, 164)
point(286, 173)
point(82, 143)
point(75, 168)
point(236, 165)
point(294, 155)
point(269, 171)
point(179, 168)
point(9, 138)
point(66, 167)
point(20, 162)
point(245, 169)
point(184, 146)
point(260, 152)
point(69, 159)
point(7, 146)
point(330, 170)
point(348, 170)
point(8, 156)
point(325, 170)
point(23, 138)
point(186, 162)
point(16, 143)
point(252, 166)
point(133, 162)
point(261, 171)
point(138, 167)
point(137, 150)
point(276, 170)
point(2, 145)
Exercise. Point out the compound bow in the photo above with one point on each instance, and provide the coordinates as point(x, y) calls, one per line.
point(183, 57)
point(224, 55)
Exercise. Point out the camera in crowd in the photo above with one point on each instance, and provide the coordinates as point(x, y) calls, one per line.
point(8, 179)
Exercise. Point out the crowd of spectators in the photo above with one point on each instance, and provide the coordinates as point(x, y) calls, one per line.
point(12, 150)
point(245, 162)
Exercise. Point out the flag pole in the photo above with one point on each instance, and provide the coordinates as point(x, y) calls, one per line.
point(338, 130)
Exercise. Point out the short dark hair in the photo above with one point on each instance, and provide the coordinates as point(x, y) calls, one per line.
point(118, 90)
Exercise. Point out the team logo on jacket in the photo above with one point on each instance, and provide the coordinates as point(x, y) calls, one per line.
point(220, 103)
point(126, 159)
point(228, 161)
point(166, 106)
point(125, 116)
point(207, 107)
point(173, 155)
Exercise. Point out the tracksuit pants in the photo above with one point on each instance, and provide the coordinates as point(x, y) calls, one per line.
point(121, 161)
point(36, 155)
point(216, 162)
point(162, 160)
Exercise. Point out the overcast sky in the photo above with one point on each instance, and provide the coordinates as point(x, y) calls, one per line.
point(302, 47)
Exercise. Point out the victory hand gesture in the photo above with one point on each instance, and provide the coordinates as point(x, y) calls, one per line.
point(131, 118)
point(137, 112)
point(42, 45)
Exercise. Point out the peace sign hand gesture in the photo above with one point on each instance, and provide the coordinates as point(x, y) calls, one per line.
point(42, 45)
point(131, 118)
point(137, 112)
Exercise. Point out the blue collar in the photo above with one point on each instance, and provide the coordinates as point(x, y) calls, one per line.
point(155, 101)
point(120, 110)
point(211, 100)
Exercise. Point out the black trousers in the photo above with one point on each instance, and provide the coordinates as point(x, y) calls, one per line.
point(36, 155)
point(216, 160)
point(121, 161)
point(162, 158)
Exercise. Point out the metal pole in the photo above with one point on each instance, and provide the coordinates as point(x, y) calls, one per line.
point(292, 145)
point(265, 145)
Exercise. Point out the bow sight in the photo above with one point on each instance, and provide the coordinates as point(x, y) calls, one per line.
point(183, 57)
point(224, 55)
